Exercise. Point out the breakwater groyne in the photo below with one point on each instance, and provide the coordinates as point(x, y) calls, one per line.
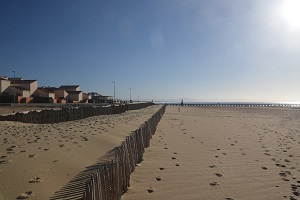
point(70, 114)
point(236, 104)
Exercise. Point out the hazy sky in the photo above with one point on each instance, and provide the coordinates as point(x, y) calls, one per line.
point(216, 50)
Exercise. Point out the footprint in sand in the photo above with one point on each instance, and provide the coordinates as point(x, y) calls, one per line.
point(296, 193)
point(25, 195)
point(158, 178)
point(285, 173)
point(264, 168)
point(279, 165)
point(177, 165)
point(3, 162)
point(150, 189)
point(31, 156)
point(218, 175)
point(173, 158)
point(294, 187)
point(161, 168)
point(212, 166)
point(214, 184)
point(36, 180)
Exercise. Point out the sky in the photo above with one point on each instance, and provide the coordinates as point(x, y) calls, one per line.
point(196, 50)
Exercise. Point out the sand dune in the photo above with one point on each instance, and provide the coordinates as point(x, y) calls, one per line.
point(221, 153)
point(37, 160)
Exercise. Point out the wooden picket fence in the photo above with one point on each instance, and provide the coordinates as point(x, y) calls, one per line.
point(70, 114)
point(111, 178)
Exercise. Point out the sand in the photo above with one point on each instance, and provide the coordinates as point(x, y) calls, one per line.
point(221, 153)
point(40, 160)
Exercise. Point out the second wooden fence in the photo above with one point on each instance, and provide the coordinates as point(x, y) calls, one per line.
point(111, 178)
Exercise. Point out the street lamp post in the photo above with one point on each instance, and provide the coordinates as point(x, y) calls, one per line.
point(130, 95)
point(114, 91)
point(138, 98)
point(14, 86)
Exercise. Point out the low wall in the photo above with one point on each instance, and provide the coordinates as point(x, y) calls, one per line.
point(69, 114)
point(110, 179)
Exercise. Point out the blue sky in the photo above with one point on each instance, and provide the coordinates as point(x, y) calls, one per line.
point(199, 50)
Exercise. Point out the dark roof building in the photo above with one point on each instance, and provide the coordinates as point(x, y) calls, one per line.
point(22, 81)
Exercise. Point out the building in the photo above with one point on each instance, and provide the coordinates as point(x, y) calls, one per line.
point(70, 87)
point(30, 85)
point(19, 91)
point(74, 96)
point(44, 92)
point(60, 94)
point(4, 85)
point(16, 87)
point(27, 91)
point(86, 98)
point(98, 98)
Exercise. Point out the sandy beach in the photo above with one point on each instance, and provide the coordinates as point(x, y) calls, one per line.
point(38, 160)
point(221, 153)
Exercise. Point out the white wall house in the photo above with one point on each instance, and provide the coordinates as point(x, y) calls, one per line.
point(4, 85)
point(30, 85)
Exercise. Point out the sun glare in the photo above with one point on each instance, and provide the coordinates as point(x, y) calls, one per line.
point(291, 12)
